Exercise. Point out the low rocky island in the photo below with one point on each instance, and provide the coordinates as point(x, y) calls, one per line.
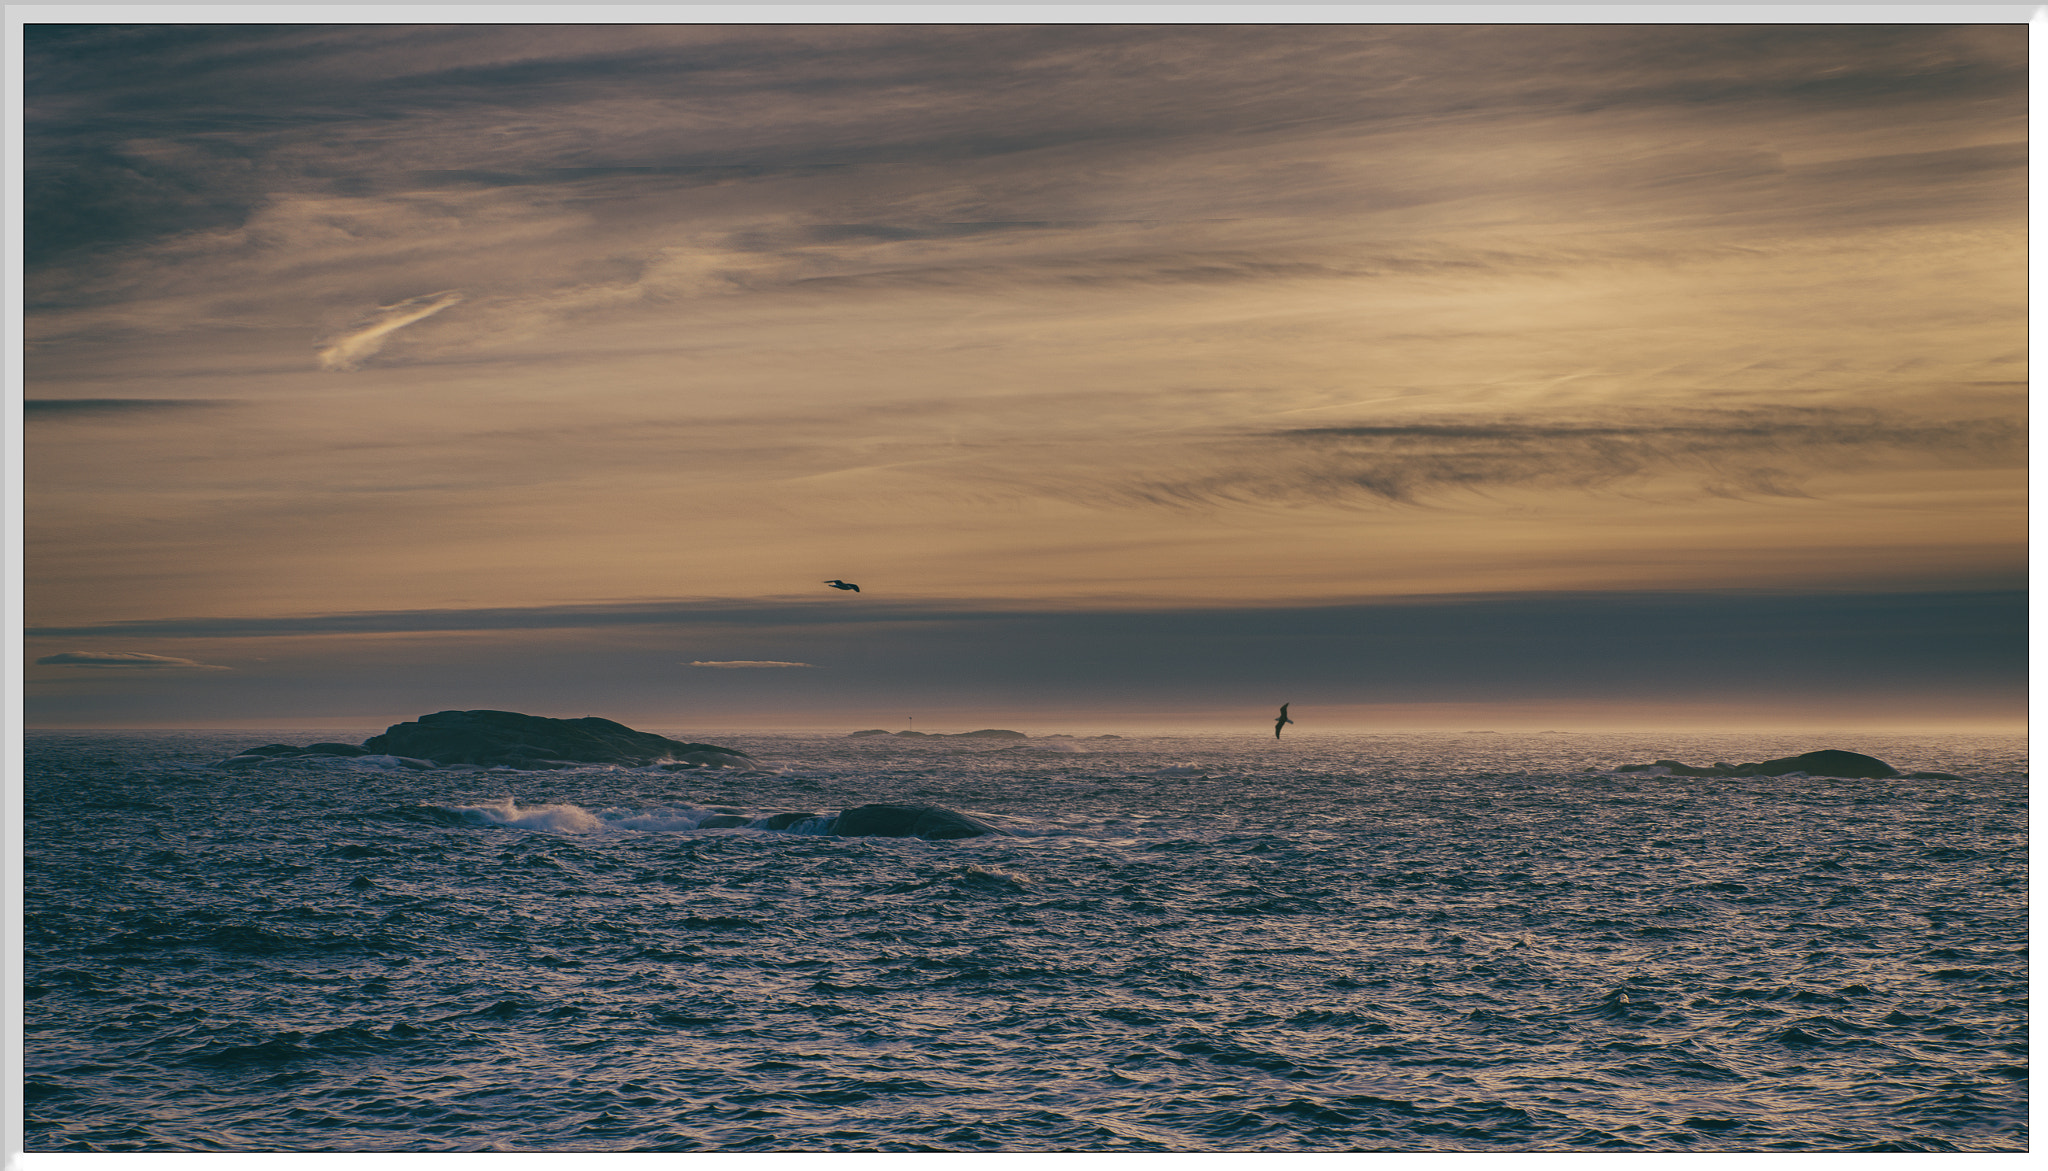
point(983, 734)
point(509, 740)
point(1827, 762)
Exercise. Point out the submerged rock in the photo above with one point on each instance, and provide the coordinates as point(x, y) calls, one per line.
point(910, 821)
point(1827, 762)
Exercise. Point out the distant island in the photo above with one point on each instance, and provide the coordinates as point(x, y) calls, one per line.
point(508, 739)
point(1827, 762)
point(982, 734)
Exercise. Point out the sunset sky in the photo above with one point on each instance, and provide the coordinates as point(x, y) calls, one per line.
point(1445, 376)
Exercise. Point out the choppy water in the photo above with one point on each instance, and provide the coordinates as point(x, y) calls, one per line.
point(1378, 943)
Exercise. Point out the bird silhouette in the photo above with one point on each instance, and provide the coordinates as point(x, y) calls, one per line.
point(1281, 722)
point(836, 584)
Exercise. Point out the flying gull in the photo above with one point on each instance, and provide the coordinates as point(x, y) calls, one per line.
point(1281, 722)
point(836, 584)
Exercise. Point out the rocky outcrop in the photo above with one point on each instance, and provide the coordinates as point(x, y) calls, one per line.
point(1828, 762)
point(308, 750)
point(522, 741)
point(509, 739)
point(910, 821)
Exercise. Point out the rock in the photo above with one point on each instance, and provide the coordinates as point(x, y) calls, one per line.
point(522, 741)
point(782, 821)
point(910, 821)
point(725, 821)
point(991, 734)
point(336, 750)
point(1827, 762)
point(868, 732)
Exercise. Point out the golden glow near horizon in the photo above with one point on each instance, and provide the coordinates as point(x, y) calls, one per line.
point(1049, 317)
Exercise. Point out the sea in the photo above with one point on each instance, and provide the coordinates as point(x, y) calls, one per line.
point(1416, 942)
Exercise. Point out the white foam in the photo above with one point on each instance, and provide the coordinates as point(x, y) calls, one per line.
point(574, 819)
point(561, 819)
point(376, 762)
point(658, 820)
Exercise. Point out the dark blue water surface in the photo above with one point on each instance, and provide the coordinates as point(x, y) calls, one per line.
point(1370, 943)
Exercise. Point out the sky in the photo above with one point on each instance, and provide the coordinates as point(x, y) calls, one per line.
point(1574, 377)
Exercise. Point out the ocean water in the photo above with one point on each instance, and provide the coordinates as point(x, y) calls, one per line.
point(1225, 943)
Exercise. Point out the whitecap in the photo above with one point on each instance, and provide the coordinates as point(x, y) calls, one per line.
point(563, 819)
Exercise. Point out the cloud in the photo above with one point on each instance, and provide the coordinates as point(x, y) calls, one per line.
point(752, 663)
point(53, 409)
point(135, 659)
point(1733, 453)
point(682, 612)
point(348, 349)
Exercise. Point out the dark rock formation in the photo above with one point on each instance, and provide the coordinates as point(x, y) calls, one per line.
point(910, 821)
point(782, 821)
point(1828, 762)
point(522, 741)
point(868, 732)
point(992, 734)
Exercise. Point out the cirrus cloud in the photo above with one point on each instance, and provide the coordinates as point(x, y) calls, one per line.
point(125, 659)
point(354, 345)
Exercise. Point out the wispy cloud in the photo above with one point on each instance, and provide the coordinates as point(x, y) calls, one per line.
point(53, 409)
point(125, 659)
point(680, 612)
point(751, 663)
point(1737, 453)
point(355, 344)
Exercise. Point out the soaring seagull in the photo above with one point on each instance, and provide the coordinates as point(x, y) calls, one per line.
point(836, 584)
point(1281, 722)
